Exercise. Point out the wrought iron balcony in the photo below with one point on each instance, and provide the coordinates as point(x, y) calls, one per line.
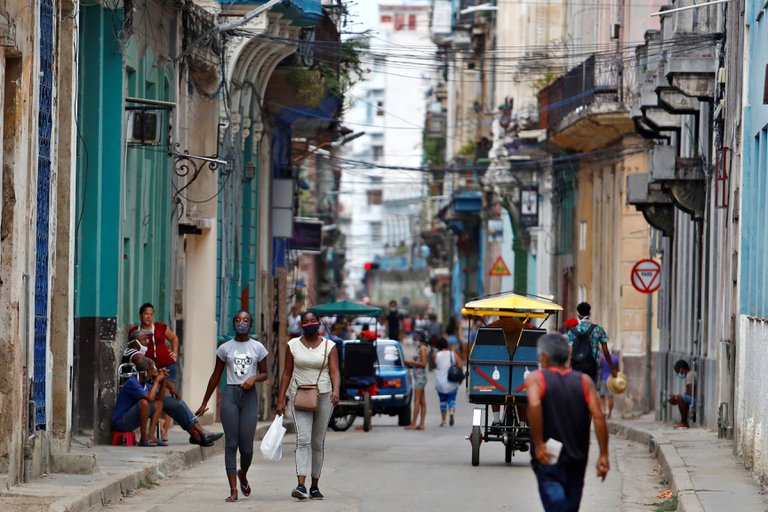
point(590, 94)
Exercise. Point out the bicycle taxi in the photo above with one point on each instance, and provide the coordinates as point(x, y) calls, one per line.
point(502, 355)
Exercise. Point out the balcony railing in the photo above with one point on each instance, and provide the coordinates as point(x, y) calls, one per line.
point(596, 80)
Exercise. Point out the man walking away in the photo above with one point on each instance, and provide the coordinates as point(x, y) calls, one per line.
point(586, 340)
point(561, 405)
point(394, 321)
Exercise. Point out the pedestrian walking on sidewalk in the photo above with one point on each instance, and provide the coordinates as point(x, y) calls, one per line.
point(158, 334)
point(446, 390)
point(561, 405)
point(419, 366)
point(310, 362)
point(586, 340)
point(606, 396)
point(245, 361)
point(684, 402)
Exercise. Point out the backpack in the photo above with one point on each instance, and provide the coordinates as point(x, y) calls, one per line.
point(582, 357)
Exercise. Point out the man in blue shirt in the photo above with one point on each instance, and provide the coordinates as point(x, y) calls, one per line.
point(142, 401)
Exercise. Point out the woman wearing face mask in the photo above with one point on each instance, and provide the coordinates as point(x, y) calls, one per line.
point(245, 360)
point(310, 360)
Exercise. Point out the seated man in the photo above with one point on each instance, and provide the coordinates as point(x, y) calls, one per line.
point(685, 401)
point(136, 348)
point(140, 404)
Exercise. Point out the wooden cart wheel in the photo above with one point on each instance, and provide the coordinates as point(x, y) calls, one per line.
point(476, 438)
point(366, 412)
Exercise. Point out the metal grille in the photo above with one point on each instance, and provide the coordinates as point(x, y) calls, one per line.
point(43, 210)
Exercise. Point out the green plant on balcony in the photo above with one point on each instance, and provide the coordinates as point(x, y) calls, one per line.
point(468, 150)
point(308, 84)
point(313, 83)
point(434, 151)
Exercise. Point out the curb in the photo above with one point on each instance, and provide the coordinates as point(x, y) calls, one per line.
point(113, 489)
point(673, 466)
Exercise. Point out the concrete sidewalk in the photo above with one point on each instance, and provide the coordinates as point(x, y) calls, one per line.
point(119, 470)
point(701, 469)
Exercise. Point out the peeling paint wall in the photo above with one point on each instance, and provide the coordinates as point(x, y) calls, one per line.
point(19, 100)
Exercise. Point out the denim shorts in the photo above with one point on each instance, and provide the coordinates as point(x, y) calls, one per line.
point(689, 400)
point(171, 372)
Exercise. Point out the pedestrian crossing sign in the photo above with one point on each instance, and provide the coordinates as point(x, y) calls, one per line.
point(499, 268)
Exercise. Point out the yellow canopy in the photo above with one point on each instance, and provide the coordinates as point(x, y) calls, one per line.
point(511, 304)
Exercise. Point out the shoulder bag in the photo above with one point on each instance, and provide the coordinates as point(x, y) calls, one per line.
point(308, 395)
point(455, 373)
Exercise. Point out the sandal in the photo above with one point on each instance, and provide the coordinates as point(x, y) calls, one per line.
point(148, 443)
point(162, 442)
point(232, 497)
point(244, 487)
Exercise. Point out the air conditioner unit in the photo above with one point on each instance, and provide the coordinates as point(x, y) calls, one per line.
point(143, 128)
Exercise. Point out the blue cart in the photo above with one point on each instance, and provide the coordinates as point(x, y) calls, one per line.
point(503, 352)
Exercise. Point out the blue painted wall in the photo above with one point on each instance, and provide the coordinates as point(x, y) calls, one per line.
point(754, 239)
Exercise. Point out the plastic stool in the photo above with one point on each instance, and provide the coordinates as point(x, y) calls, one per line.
point(123, 439)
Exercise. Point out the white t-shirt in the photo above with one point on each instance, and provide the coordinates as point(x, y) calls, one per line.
point(307, 364)
point(241, 358)
point(443, 362)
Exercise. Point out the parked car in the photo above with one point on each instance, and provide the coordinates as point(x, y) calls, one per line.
point(395, 383)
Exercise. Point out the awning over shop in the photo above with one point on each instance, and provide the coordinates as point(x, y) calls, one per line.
point(302, 13)
point(345, 308)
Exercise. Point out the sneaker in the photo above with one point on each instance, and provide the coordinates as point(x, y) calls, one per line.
point(300, 492)
point(315, 494)
point(451, 422)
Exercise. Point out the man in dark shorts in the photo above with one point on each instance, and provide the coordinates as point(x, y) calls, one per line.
point(561, 405)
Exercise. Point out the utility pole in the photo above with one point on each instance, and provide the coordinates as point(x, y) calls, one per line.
point(648, 401)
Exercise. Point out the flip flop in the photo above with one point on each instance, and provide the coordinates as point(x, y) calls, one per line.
point(162, 442)
point(147, 443)
point(244, 488)
point(232, 497)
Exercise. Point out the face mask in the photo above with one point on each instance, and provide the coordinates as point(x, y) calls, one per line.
point(143, 349)
point(681, 376)
point(311, 328)
point(242, 327)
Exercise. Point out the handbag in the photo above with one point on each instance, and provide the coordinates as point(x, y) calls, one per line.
point(455, 373)
point(308, 395)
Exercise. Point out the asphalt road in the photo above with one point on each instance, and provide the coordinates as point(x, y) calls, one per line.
point(390, 469)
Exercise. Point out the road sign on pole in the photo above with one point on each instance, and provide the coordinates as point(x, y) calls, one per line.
point(499, 268)
point(646, 276)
